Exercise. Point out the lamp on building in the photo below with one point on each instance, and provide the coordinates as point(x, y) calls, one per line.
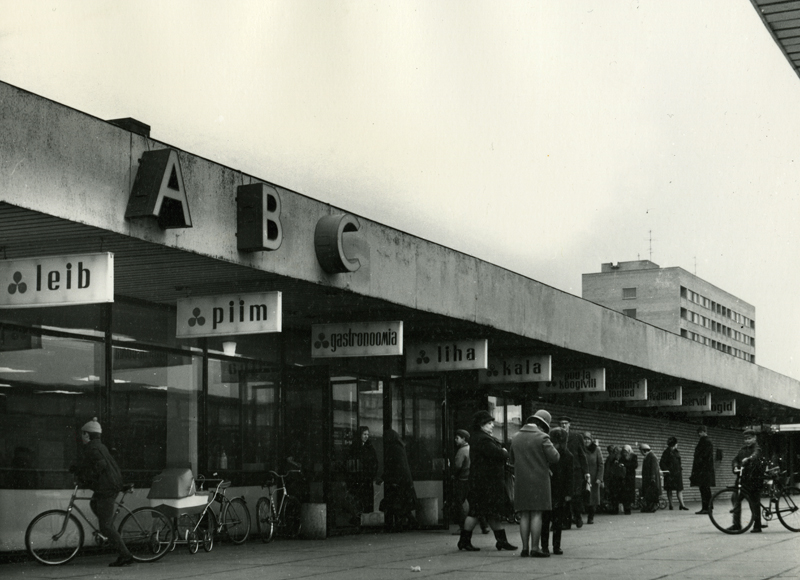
point(229, 347)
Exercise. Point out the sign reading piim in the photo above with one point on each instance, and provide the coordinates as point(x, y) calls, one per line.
point(230, 314)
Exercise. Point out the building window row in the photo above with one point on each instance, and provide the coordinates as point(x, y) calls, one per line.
point(726, 348)
point(738, 318)
point(714, 326)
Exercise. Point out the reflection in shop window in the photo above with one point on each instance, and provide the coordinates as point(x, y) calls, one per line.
point(507, 418)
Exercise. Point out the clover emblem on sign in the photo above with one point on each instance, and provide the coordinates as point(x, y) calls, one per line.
point(196, 318)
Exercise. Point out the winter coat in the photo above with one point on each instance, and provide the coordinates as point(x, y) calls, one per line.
point(671, 462)
point(579, 466)
point(703, 465)
point(363, 461)
point(461, 463)
point(561, 479)
point(631, 462)
point(399, 494)
point(753, 473)
point(532, 453)
point(594, 462)
point(98, 470)
point(651, 478)
point(487, 493)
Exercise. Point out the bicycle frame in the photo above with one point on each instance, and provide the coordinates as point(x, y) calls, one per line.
point(120, 505)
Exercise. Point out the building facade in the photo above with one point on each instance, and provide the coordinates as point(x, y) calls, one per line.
point(677, 301)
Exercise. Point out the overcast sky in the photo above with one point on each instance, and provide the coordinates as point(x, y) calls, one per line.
point(544, 136)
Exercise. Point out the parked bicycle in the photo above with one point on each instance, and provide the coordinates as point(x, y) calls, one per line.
point(730, 509)
point(55, 536)
point(279, 511)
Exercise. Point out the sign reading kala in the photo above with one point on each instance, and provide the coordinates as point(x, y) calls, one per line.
point(693, 402)
point(575, 382)
point(522, 369)
point(620, 390)
point(447, 356)
point(57, 280)
point(357, 339)
point(661, 397)
point(229, 315)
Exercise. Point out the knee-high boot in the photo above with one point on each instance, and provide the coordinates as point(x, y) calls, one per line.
point(465, 542)
point(589, 514)
point(502, 541)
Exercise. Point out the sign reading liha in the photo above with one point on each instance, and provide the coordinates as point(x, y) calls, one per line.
point(357, 339)
point(57, 280)
point(693, 402)
point(229, 314)
point(719, 408)
point(447, 356)
point(521, 369)
point(620, 390)
point(661, 397)
point(588, 380)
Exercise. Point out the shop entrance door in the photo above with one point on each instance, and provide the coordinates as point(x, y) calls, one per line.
point(356, 459)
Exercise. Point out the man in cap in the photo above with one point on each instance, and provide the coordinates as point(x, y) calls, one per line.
point(98, 471)
point(749, 460)
point(703, 475)
point(581, 481)
point(460, 478)
point(651, 479)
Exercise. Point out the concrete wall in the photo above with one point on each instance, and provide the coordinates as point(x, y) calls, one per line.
point(59, 161)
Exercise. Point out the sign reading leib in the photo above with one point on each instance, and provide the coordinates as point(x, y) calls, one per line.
point(520, 369)
point(620, 390)
point(357, 339)
point(661, 397)
point(447, 356)
point(575, 382)
point(57, 280)
point(229, 315)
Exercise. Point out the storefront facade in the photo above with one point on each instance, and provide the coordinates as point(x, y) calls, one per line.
point(240, 324)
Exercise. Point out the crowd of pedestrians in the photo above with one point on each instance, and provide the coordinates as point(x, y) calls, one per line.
point(552, 475)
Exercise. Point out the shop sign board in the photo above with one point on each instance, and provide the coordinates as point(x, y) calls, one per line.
point(620, 390)
point(229, 314)
point(719, 408)
point(57, 280)
point(582, 381)
point(460, 355)
point(357, 339)
point(692, 402)
point(661, 397)
point(520, 369)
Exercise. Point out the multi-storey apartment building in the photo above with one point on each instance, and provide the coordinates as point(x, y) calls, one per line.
point(677, 301)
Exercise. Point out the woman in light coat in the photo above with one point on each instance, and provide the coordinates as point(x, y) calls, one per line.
point(594, 459)
point(532, 453)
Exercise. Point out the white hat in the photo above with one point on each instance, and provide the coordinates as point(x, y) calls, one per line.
point(92, 426)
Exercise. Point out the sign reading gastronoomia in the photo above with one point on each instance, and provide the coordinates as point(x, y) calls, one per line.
point(661, 397)
point(719, 408)
point(459, 355)
point(229, 314)
point(582, 381)
point(620, 390)
point(57, 280)
point(357, 339)
point(520, 369)
point(693, 402)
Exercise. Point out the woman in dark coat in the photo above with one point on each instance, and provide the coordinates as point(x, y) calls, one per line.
point(651, 479)
point(560, 493)
point(399, 496)
point(532, 453)
point(670, 464)
point(363, 470)
point(487, 495)
point(594, 462)
point(631, 462)
point(614, 479)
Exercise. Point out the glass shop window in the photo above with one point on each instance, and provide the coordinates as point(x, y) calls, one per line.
point(417, 417)
point(49, 387)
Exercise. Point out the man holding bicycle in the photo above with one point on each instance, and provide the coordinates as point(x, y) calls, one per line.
point(752, 479)
point(98, 471)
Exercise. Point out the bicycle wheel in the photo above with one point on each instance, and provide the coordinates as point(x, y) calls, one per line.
point(147, 533)
point(54, 537)
point(208, 529)
point(291, 517)
point(729, 511)
point(789, 508)
point(236, 520)
point(265, 520)
point(193, 541)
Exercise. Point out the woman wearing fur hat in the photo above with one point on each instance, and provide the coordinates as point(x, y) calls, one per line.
point(670, 464)
point(532, 453)
point(594, 462)
point(487, 492)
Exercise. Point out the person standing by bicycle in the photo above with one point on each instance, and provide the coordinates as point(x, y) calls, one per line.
point(752, 480)
point(98, 471)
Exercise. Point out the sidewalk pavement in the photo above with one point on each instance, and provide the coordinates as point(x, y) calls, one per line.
point(668, 545)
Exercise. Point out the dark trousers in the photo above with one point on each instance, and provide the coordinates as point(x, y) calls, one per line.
point(559, 517)
point(576, 505)
point(755, 508)
point(705, 496)
point(104, 508)
point(458, 513)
